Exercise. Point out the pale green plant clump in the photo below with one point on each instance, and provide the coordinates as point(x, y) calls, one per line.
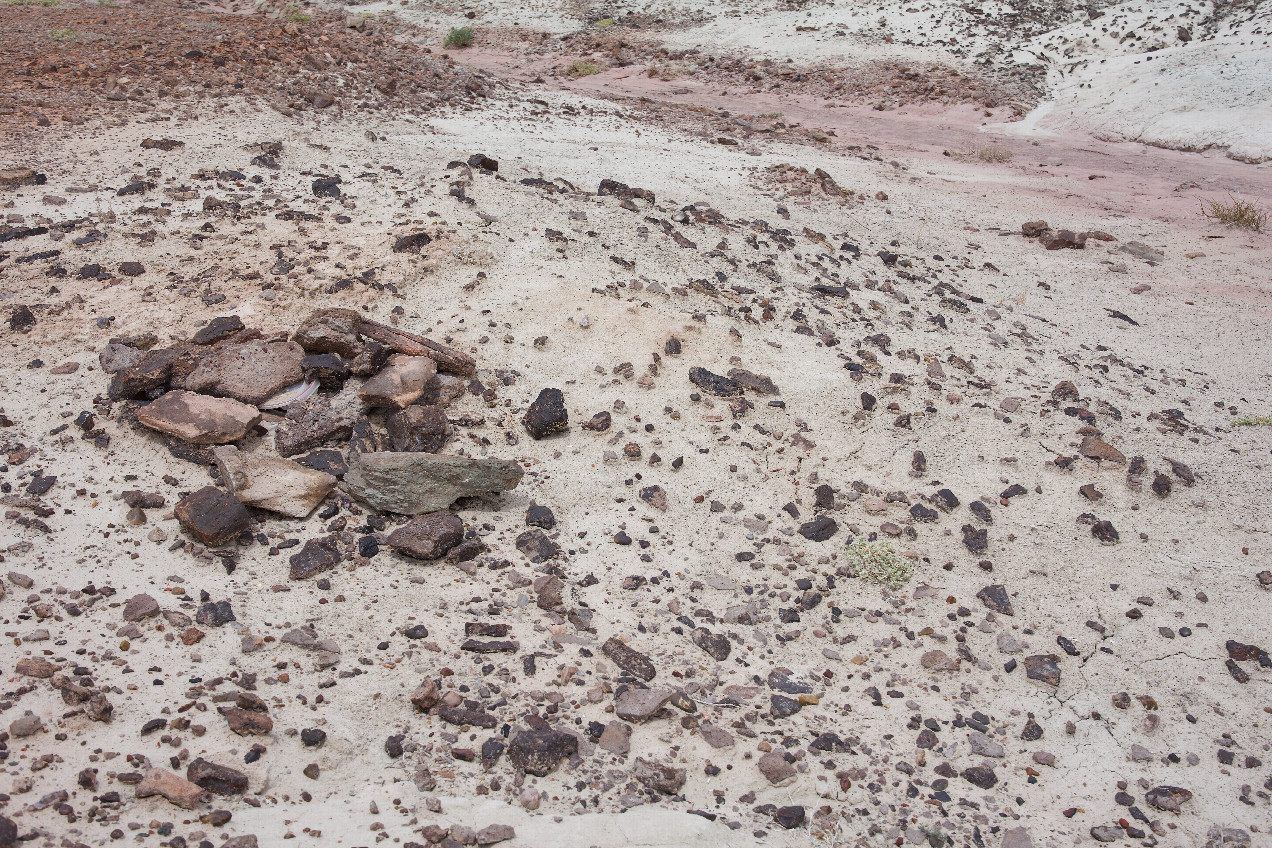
point(582, 68)
point(878, 562)
point(62, 34)
point(1254, 421)
point(459, 37)
point(292, 13)
point(1235, 212)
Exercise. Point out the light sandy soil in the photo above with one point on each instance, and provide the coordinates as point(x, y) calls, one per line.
point(1020, 318)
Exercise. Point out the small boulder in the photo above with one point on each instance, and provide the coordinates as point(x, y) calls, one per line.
point(428, 536)
point(211, 516)
point(547, 415)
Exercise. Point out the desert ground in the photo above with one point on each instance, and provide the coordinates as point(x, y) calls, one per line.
point(683, 424)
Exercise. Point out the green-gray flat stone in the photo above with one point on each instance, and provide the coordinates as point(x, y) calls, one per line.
point(412, 483)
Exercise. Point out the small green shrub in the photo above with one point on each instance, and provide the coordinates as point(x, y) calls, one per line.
point(459, 37)
point(582, 68)
point(1236, 213)
point(294, 14)
point(605, 23)
point(1254, 421)
point(62, 34)
point(879, 563)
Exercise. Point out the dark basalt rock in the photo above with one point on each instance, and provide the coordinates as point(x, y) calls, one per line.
point(714, 383)
point(819, 529)
point(212, 516)
point(537, 752)
point(547, 415)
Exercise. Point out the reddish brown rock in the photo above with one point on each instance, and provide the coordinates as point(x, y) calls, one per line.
point(175, 788)
point(212, 516)
point(249, 371)
point(428, 536)
point(200, 419)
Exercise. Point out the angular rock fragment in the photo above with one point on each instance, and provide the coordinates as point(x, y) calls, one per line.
point(418, 428)
point(176, 789)
point(428, 536)
point(714, 383)
point(214, 614)
point(755, 382)
point(616, 738)
point(140, 607)
point(212, 516)
point(975, 539)
point(628, 658)
point(641, 704)
point(1093, 447)
point(995, 597)
point(658, 777)
point(547, 415)
point(315, 557)
point(1043, 667)
point(600, 422)
point(412, 483)
point(219, 779)
point(336, 334)
point(400, 383)
point(311, 423)
point(715, 644)
point(248, 722)
point(1168, 798)
point(251, 371)
point(1105, 532)
point(267, 482)
point(537, 751)
point(218, 330)
point(199, 419)
point(541, 516)
point(945, 500)
point(536, 546)
point(819, 529)
point(982, 776)
point(939, 661)
point(776, 769)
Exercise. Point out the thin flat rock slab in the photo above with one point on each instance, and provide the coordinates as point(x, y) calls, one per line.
point(413, 483)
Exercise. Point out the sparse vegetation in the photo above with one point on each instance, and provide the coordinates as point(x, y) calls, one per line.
point(605, 23)
point(294, 14)
point(879, 563)
point(993, 154)
point(62, 34)
point(1253, 421)
point(1235, 212)
point(459, 37)
point(582, 68)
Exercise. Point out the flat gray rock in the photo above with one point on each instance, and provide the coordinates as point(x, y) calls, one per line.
point(641, 704)
point(279, 485)
point(412, 483)
point(200, 419)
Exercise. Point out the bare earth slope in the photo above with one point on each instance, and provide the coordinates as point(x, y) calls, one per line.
point(776, 328)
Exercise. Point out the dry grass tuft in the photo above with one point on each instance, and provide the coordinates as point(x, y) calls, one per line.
point(1235, 212)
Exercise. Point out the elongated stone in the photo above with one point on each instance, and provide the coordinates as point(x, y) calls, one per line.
point(412, 483)
point(200, 419)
